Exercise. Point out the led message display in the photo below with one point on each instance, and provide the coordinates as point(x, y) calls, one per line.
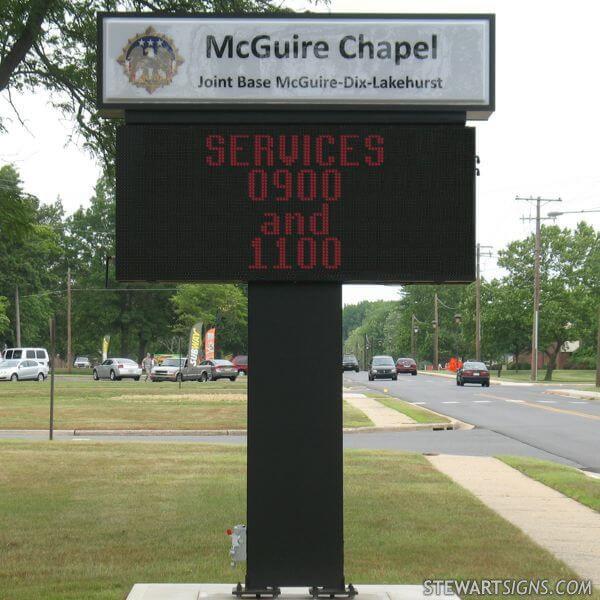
point(344, 203)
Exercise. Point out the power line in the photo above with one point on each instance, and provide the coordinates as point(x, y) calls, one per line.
point(446, 306)
point(74, 289)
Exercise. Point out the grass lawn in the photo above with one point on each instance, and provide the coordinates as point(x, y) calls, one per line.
point(558, 376)
point(591, 388)
point(353, 417)
point(566, 480)
point(420, 415)
point(87, 404)
point(74, 371)
point(85, 521)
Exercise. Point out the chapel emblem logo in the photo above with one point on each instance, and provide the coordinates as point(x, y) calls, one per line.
point(150, 60)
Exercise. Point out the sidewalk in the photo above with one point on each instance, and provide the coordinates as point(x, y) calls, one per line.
point(583, 395)
point(559, 524)
point(381, 415)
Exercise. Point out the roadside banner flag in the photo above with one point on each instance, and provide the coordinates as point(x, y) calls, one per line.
point(209, 344)
point(105, 346)
point(195, 343)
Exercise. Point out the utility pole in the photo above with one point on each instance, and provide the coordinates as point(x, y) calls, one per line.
point(413, 350)
point(598, 352)
point(17, 317)
point(536, 277)
point(69, 349)
point(52, 365)
point(478, 300)
point(436, 330)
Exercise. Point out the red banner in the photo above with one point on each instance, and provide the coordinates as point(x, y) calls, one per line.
point(209, 344)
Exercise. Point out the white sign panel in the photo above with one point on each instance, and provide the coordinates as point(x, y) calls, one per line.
point(430, 62)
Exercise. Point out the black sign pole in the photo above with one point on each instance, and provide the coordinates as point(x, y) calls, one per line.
point(295, 495)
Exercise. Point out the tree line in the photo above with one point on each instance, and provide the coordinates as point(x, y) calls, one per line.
point(40, 244)
point(570, 296)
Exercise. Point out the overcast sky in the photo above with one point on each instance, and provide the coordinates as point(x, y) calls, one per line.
point(542, 140)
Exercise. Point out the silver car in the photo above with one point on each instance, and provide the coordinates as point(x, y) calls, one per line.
point(82, 362)
point(22, 370)
point(175, 369)
point(217, 369)
point(116, 369)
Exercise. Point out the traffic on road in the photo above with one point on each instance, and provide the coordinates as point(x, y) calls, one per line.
point(566, 429)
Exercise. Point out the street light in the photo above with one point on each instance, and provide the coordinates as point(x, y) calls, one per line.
point(556, 213)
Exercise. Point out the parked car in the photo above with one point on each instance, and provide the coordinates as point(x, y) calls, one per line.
point(20, 370)
point(382, 367)
point(175, 369)
point(218, 369)
point(82, 362)
point(349, 363)
point(406, 365)
point(40, 355)
point(160, 358)
point(241, 363)
point(116, 369)
point(473, 372)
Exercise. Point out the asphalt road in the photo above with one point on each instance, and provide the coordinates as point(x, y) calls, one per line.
point(509, 419)
point(519, 416)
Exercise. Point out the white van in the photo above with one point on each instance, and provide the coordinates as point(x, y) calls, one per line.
point(38, 354)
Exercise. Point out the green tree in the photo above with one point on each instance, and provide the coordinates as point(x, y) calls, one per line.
point(16, 213)
point(505, 320)
point(4, 320)
point(135, 318)
point(222, 305)
point(569, 276)
point(51, 45)
point(387, 325)
point(30, 258)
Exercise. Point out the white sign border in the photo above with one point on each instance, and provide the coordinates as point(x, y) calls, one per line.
point(477, 112)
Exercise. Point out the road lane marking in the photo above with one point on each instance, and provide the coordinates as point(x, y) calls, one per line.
point(574, 402)
point(499, 398)
point(420, 403)
point(450, 402)
point(481, 401)
point(546, 401)
point(565, 411)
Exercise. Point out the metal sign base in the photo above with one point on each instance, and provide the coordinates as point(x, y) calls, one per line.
point(273, 592)
point(267, 592)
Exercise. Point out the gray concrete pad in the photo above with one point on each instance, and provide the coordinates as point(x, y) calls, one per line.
point(222, 591)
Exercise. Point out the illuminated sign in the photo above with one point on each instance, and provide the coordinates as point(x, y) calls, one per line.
point(343, 203)
point(407, 62)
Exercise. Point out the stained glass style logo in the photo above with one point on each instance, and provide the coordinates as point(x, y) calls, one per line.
point(150, 60)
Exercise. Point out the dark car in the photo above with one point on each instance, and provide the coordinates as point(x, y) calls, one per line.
point(349, 363)
point(383, 367)
point(406, 365)
point(473, 372)
point(241, 363)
